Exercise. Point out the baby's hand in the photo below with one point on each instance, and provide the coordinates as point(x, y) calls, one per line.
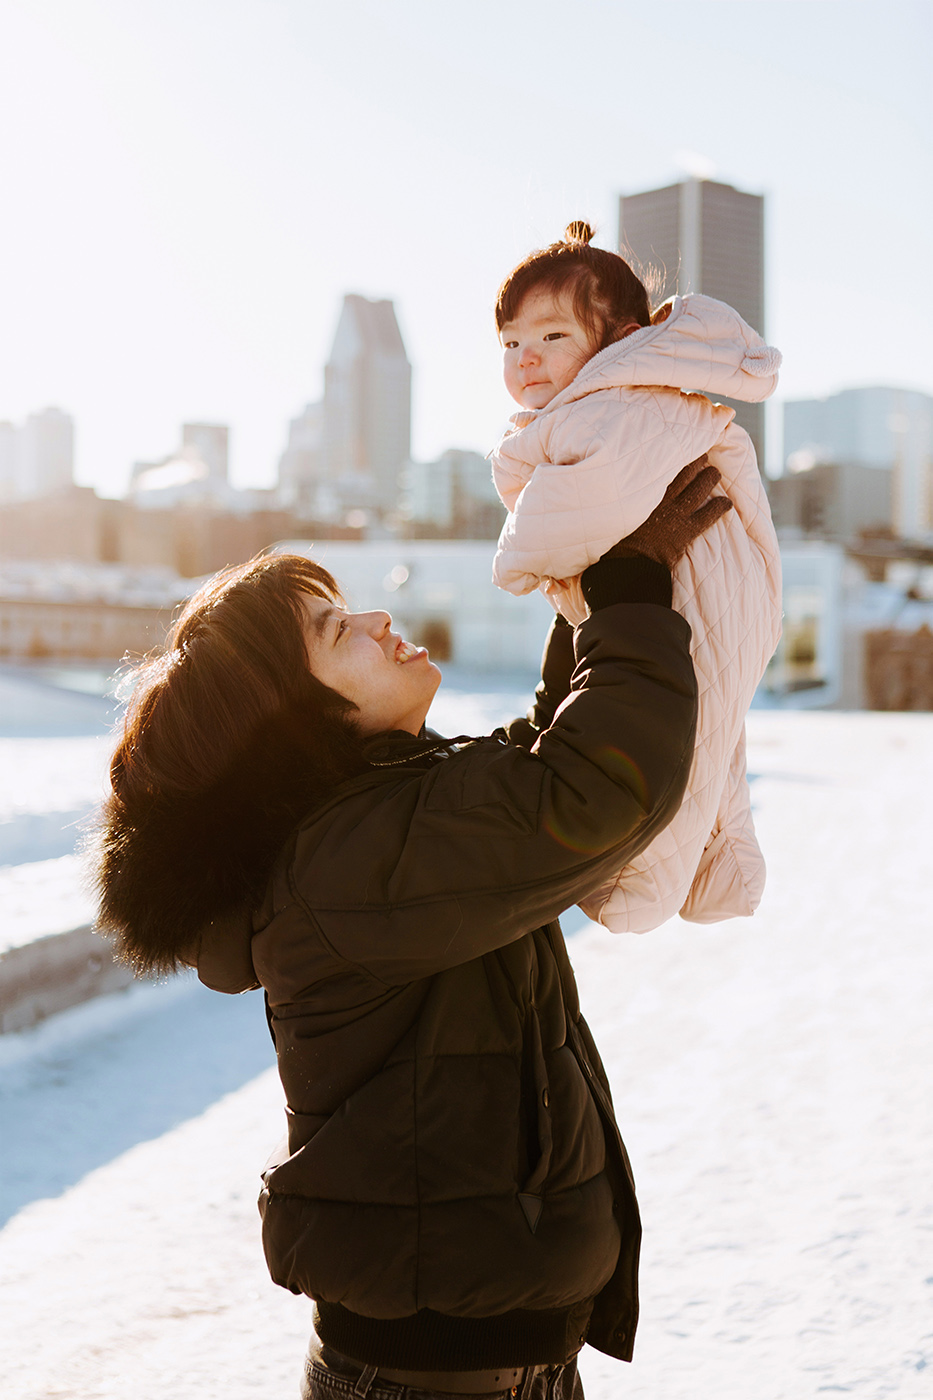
point(685, 512)
point(566, 597)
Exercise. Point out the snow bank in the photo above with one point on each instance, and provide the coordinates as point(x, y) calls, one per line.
point(30, 707)
point(51, 785)
point(42, 897)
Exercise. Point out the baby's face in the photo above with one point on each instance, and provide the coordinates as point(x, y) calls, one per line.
point(543, 349)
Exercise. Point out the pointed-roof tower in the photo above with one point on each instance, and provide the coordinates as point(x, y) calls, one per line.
point(367, 404)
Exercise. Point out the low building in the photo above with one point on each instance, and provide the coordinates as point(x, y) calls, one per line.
point(852, 641)
point(193, 540)
point(71, 523)
point(887, 428)
point(67, 630)
point(898, 668)
point(807, 667)
point(186, 536)
point(831, 500)
point(71, 612)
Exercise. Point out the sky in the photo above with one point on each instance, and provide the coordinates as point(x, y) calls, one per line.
point(189, 187)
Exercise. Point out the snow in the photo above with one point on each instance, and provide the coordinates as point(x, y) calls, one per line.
point(32, 707)
point(770, 1076)
point(43, 897)
point(54, 748)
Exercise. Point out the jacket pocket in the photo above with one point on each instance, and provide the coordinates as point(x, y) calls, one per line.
point(301, 1128)
point(536, 1111)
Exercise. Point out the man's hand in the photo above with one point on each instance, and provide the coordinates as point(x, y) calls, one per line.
point(685, 512)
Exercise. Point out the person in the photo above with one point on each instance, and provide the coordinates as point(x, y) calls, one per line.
point(585, 460)
point(452, 1191)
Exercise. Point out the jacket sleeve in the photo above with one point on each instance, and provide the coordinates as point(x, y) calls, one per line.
point(617, 580)
point(557, 666)
point(456, 861)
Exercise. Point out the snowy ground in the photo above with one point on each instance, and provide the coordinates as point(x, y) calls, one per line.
point(771, 1077)
point(53, 756)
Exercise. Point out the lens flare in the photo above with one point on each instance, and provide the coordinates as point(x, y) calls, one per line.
point(624, 771)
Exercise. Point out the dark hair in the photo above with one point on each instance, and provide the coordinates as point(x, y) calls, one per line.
point(227, 720)
point(235, 658)
point(605, 293)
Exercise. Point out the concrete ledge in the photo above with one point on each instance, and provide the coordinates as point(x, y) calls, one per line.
point(50, 974)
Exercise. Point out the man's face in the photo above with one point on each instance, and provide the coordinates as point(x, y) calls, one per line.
point(390, 681)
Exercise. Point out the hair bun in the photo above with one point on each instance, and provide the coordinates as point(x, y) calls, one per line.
point(578, 231)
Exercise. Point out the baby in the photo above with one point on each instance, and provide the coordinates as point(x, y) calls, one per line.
point(585, 462)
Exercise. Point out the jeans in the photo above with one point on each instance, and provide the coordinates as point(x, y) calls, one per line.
point(331, 1376)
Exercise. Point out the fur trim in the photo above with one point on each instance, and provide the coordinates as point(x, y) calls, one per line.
point(166, 866)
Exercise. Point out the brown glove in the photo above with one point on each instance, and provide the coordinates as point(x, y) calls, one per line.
point(685, 512)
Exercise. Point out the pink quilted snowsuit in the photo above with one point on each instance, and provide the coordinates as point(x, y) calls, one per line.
point(581, 473)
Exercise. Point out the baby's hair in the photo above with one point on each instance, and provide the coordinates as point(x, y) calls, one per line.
point(604, 292)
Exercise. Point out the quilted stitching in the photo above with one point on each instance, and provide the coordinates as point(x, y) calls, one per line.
point(585, 471)
point(585, 483)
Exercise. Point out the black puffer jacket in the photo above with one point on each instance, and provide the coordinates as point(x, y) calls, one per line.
point(453, 1192)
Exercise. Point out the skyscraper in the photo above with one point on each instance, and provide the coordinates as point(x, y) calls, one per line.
point(301, 463)
point(46, 453)
point(9, 454)
point(212, 443)
point(702, 236)
point(367, 405)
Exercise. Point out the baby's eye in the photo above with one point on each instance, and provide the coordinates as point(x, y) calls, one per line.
point(555, 335)
point(509, 344)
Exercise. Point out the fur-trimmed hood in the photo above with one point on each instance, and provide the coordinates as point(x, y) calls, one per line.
point(175, 870)
point(180, 877)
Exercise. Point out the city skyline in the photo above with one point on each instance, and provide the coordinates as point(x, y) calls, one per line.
point(194, 189)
